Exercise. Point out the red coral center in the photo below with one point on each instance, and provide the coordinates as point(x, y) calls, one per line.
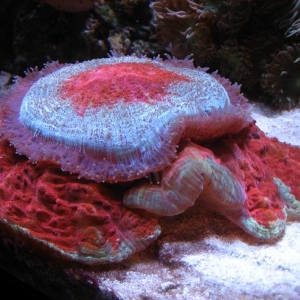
point(108, 84)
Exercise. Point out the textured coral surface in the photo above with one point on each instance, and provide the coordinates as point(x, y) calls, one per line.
point(129, 127)
point(201, 255)
point(258, 162)
point(61, 215)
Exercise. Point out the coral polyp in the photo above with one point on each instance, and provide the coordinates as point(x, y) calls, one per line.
point(281, 79)
point(119, 118)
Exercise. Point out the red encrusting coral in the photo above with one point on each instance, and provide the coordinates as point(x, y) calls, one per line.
point(63, 216)
point(258, 161)
point(236, 175)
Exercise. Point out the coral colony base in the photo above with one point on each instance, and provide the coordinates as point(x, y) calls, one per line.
point(92, 152)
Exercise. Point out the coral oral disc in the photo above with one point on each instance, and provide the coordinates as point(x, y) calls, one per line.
point(117, 119)
point(132, 82)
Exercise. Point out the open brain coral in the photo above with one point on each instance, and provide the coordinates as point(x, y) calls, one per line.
point(122, 119)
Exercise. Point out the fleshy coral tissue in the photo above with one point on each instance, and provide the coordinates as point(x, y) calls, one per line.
point(81, 142)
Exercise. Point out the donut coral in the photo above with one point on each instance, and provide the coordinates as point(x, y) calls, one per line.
point(118, 118)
